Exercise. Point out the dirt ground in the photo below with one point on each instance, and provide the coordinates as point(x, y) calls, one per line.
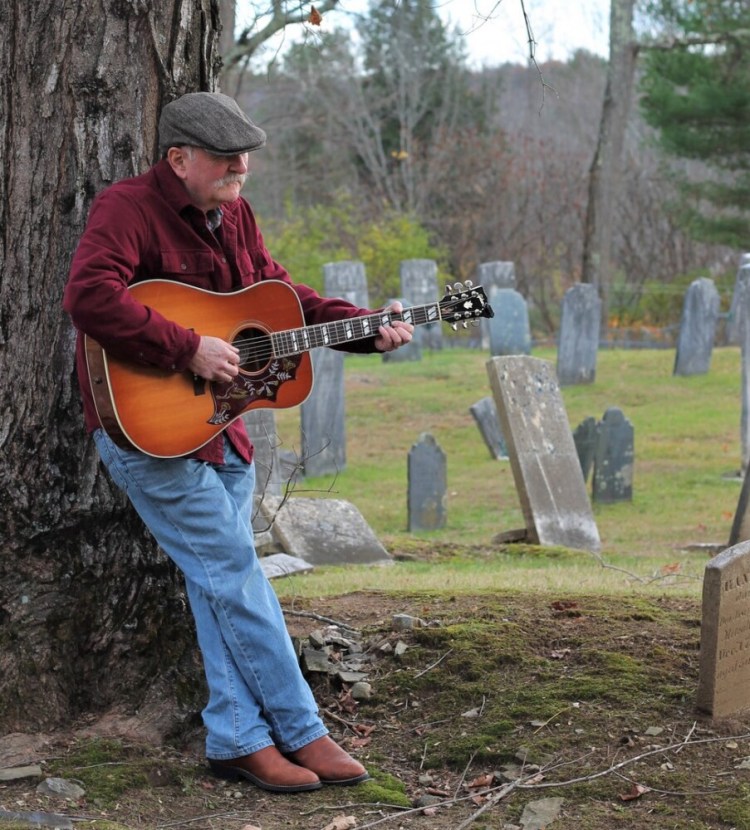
point(484, 710)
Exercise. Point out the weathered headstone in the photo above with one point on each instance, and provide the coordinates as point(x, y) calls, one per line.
point(346, 279)
point(510, 332)
point(695, 342)
point(724, 674)
point(579, 335)
point(412, 350)
point(322, 416)
point(261, 427)
point(484, 413)
point(419, 285)
point(743, 307)
point(584, 437)
point(542, 454)
point(427, 485)
point(324, 531)
point(736, 309)
point(495, 274)
point(614, 458)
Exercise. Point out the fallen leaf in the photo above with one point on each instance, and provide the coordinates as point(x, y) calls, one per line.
point(429, 811)
point(342, 823)
point(481, 781)
point(364, 729)
point(358, 743)
point(673, 568)
point(636, 791)
point(315, 18)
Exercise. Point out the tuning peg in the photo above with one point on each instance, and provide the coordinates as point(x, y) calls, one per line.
point(448, 288)
point(459, 286)
point(454, 326)
point(469, 284)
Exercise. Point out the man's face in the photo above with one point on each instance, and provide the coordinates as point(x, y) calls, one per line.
point(210, 180)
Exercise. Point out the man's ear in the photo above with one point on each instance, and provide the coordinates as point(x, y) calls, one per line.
point(177, 157)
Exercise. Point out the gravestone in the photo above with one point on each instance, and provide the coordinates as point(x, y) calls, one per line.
point(346, 279)
point(261, 427)
point(735, 308)
point(740, 531)
point(724, 673)
point(510, 332)
point(743, 306)
point(427, 485)
point(543, 457)
point(322, 416)
point(613, 458)
point(579, 335)
point(496, 274)
point(419, 285)
point(484, 413)
point(700, 314)
point(412, 351)
point(584, 437)
point(323, 531)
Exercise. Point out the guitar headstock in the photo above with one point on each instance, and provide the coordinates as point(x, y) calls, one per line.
point(463, 302)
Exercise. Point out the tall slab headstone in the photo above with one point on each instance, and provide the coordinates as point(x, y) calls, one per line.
point(579, 335)
point(743, 306)
point(695, 342)
point(724, 665)
point(543, 457)
point(261, 427)
point(419, 286)
point(613, 458)
point(510, 331)
point(412, 351)
point(495, 274)
point(322, 416)
point(484, 413)
point(735, 308)
point(427, 485)
point(346, 279)
point(584, 438)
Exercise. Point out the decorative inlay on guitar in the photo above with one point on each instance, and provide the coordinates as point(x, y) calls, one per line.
point(167, 414)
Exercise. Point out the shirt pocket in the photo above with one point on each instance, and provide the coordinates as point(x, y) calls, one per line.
point(187, 266)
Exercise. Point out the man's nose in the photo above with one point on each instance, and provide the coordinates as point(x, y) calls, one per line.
point(238, 163)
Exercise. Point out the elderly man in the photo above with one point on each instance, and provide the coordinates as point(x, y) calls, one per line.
point(185, 221)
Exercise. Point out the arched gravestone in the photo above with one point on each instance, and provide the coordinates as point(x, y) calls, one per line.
point(427, 485)
point(613, 458)
point(700, 314)
point(495, 274)
point(419, 286)
point(579, 335)
point(510, 332)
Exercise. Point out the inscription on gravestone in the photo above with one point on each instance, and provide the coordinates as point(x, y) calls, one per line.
point(322, 416)
point(700, 314)
point(613, 458)
point(419, 285)
point(724, 678)
point(542, 454)
point(427, 485)
point(510, 332)
point(484, 413)
point(346, 279)
point(579, 335)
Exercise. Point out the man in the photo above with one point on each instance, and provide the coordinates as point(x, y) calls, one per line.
point(184, 220)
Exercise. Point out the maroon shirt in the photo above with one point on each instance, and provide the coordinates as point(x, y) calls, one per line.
point(146, 228)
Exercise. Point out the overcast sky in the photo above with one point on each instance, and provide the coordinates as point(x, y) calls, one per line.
point(495, 30)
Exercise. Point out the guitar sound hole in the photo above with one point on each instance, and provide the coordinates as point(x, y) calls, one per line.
point(255, 348)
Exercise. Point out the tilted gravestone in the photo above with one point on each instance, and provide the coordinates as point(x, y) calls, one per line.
point(419, 285)
point(579, 335)
point(427, 485)
point(346, 279)
point(495, 274)
point(510, 332)
point(695, 342)
point(322, 416)
point(724, 674)
point(614, 458)
point(484, 413)
point(543, 457)
point(584, 438)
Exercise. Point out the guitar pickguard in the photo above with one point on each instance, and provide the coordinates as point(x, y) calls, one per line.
point(234, 397)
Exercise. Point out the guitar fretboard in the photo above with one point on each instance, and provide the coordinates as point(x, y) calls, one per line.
point(296, 341)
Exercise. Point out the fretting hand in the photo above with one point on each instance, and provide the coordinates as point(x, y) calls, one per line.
point(397, 334)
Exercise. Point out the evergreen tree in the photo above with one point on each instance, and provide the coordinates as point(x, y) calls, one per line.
point(697, 96)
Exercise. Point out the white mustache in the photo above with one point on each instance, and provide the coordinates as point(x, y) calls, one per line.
point(230, 178)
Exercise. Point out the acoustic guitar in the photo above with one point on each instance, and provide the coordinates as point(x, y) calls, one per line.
point(168, 414)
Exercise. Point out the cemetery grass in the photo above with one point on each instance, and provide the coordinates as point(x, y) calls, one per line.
point(584, 666)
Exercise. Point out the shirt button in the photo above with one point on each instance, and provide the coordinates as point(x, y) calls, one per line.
point(224, 260)
point(183, 265)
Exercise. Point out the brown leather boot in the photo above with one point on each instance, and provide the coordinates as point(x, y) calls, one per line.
point(330, 762)
point(268, 769)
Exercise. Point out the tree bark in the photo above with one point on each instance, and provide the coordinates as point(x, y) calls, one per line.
point(606, 164)
point(92, 615)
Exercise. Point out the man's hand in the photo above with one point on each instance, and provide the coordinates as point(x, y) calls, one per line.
point(397, 334)
point(215, 359)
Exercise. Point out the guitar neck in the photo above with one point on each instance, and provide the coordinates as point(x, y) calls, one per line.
point(296, 341)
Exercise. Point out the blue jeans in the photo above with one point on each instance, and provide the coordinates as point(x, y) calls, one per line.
point(200, 514)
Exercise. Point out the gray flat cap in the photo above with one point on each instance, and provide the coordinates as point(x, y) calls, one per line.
point(209, 120)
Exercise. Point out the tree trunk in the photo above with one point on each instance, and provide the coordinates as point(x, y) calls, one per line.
point(92, 615)
point(605, 167)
